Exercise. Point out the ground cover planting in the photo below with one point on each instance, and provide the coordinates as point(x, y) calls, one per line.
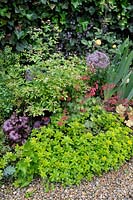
point(65, 115)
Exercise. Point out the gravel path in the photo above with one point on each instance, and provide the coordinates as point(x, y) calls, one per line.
point(115, 185)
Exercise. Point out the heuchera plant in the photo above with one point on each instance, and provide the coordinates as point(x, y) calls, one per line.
point(126, 112)
point(111, 103)
point(17, 128)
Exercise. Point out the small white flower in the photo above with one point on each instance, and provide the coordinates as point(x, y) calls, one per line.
point(127, 81)
point(114, 46)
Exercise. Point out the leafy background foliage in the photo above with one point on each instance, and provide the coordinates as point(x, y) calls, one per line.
point(79, 20)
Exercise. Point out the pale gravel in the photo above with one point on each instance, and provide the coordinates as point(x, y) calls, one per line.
point(114, 185)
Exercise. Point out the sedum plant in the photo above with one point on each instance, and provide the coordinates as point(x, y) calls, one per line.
point(9, 171)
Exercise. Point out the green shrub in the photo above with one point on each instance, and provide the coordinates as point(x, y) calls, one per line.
point(52, 80)
point(34, 83)
point(4, 146)
point(42, 42)
point(6, 105)
point(9, 65)
point(71, 153)
point(12, 68)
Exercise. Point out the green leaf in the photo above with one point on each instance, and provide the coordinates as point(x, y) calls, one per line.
point(119, 71)
point(4, 12)
point(130, 96)
point(84, 25)
point(85, 42)
point(44, 2)
point(19, 34)
point(76, 3)
point(31, 16)
point(20, 46)
point(91, 10)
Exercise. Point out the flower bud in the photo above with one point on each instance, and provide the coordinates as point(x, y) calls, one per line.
point(114, 46)
point(98, 42)
point(127, 81)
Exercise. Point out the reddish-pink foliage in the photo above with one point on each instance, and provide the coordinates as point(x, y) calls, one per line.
point(60, 123)
point(85, 78)
point(62, 120)
point(83, 110)
point(92, 91)
point(111, 103)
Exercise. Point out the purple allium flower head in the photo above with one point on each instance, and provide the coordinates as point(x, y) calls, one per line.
point(98, 60)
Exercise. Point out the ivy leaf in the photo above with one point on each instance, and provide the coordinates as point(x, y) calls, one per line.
point(43, 1)
point(19, 34)
point(76, 3)
point(91, 10)
point(52, 6)
point(20, 46)
point(31, 16)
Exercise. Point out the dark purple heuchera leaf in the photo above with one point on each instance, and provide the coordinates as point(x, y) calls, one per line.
point(14, 136)
point(17, 128)
point(42, 122)
point(98, 60)
point(7, 127)
point(37, 124)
